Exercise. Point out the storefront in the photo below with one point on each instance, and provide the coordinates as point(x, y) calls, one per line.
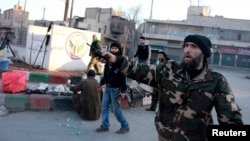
point(233, 57)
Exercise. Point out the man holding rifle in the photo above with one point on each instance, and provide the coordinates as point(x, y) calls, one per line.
point(94, 63)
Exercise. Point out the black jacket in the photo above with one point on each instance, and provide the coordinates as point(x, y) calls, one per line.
point(114, 77)
point(142, 52)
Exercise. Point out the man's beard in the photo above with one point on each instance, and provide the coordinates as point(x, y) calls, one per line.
point(116, 53)
point(161, 60)
point(191, 65)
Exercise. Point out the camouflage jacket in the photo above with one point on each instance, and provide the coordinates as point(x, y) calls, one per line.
point(185, 106)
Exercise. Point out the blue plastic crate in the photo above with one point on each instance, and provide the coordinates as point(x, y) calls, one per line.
point(4, 65)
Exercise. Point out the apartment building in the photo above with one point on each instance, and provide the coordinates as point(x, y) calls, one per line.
point(230, 37)
point(14, 21)
point(107, 21)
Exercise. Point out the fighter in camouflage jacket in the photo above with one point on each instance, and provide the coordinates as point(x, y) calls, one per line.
point(185, 105)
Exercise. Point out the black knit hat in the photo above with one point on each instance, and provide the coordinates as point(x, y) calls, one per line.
point(164, 54)
point(118, 45)
point(143, 38)
point(203, 42)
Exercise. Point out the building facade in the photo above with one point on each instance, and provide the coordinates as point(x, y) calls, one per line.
point(14, 21)
point(230, 37)
point(107, 21)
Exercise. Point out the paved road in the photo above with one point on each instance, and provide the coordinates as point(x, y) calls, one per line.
point(51, 126)
point(45, 125)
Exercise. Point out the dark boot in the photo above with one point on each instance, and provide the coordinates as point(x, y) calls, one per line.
point(150, 109)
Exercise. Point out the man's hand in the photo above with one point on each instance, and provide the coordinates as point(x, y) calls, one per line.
point(148, 62)
point(123, 95)
point(99, 88)
point(67, 84)
point(109, 57)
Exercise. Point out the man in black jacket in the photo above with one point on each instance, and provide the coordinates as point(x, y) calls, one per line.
point(143, 51)
point(116, 86)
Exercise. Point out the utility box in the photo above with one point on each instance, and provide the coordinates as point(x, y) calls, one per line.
point(60, 49)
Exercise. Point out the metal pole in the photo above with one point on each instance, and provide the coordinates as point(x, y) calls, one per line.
point(66, 10)
point(72, 5)
point(151, 9)
point(43, 13)
point(31, 48)
point(24, 5)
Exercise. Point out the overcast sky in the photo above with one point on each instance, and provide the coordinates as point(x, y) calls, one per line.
point(162, 9)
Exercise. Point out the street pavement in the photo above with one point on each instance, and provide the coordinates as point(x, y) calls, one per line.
point(68, 126)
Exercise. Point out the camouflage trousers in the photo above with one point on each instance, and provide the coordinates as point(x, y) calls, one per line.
point(161, 138)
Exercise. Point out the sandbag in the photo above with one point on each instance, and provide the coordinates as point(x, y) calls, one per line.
point(14, 82)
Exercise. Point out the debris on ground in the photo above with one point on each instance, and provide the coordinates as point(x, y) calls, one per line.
point(20, 65)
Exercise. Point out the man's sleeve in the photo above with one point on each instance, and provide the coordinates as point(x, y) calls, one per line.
point(136, 71)
point(149, 52)
point(228, 111)
point(125, 85)
point(136, 52)
point(77, 87)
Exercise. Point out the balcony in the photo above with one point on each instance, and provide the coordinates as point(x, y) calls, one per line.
point(117, 25)
point(117, 30)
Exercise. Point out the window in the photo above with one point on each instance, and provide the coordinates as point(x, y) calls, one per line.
point(105, 28)
point(239, 36)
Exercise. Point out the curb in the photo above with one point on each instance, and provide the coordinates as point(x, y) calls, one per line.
point(46, 102)
point(21, 101)
point(16, 102)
